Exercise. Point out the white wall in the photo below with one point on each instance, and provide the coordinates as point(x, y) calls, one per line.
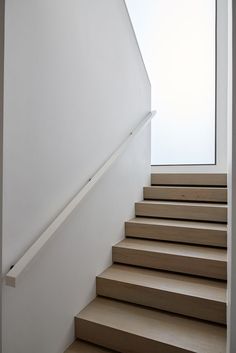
point(222, 81)
point(75, 86)
point(2, 3)
point(232, 181)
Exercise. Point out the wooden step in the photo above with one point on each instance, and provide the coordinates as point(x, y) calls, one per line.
point(202, 233)
point(129, 328)
point(189, 179)
point(186, 193)
point(84, 347)
point(191, 296)
point(182, 210)
point(189, 259)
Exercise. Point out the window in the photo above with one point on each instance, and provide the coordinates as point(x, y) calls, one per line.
point(178, 43)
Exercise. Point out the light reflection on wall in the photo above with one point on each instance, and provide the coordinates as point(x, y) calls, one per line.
point(177, 40)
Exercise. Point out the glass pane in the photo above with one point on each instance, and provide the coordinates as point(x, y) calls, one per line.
point(177, 40)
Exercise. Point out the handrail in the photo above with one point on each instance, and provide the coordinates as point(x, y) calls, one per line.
point(17, 270)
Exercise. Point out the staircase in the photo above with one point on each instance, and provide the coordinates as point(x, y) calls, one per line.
point(166, 291)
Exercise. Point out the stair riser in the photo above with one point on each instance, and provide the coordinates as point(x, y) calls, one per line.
point(177, 234)
point(189, 179)
point(159, 299)
point(181, 194)
point(182, 264)
point(121, 341)
point(200, 213)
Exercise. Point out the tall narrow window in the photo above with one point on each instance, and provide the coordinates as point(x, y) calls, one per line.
point(178, 42)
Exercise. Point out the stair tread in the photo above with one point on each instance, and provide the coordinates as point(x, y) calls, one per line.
point(184, 204)
point(170, 329)
point(210, 212)
point(174, 249)
point(215, 179)
point(186, 193)
point(166, 281)
point(84, 347)
point(179, 223)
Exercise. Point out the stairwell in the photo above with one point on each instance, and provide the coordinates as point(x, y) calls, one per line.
point(166, 290)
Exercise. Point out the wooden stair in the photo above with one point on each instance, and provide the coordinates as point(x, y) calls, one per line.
point(190, 296)
point(212, 234)
point(166, 291)
point(189, 193)
point(129, 328)
point(187, 179)
point(183, 258)
point(182, 210)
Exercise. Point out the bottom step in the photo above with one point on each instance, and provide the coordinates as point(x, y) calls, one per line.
point(84, 347)
point(129, 328)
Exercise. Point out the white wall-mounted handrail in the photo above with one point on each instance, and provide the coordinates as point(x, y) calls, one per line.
point(16, 272)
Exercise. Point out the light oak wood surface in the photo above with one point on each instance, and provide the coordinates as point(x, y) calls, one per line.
point(189, 259)
point(166, 290)
point(202, 233)
point(189, 179)
point(206, 194)
point(191, 296)
point(182, 210)
point(133, 329)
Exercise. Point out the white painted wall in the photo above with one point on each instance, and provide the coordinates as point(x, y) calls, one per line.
point(232, 180)
point(222, 82)
point(75, 86)
point(2, 4)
